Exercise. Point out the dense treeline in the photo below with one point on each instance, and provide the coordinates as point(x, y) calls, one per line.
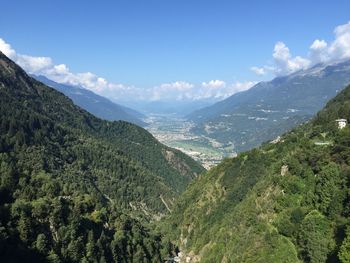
point(74, 188)
point(78, 228)
point(287, 201)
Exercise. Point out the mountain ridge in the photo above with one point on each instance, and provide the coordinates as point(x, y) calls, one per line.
point(95, 104)
point(133, 141)
point(285, 201)
point(248, 118)
point(75, 188)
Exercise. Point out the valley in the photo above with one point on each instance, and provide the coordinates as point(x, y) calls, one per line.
point(286, 201)
point(270, 108)
point(175, 131)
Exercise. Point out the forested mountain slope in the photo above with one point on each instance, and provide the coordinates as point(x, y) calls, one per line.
point(75, 188)
point(99, 106)
point(286, 201)
point(268, 109)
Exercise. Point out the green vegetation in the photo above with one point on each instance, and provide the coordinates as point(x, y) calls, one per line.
point(283, 202)
point(197, 147)
point(74, 188)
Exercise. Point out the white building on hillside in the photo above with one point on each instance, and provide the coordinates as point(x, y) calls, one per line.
point(341, 123)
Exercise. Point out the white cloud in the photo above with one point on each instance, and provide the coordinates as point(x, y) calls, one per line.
point(178, 90)
point(178, 86)
point(60, 73)
point(320, 51)
point(61, 69)
point(258, 71)
point(241, 86)
point(215, 84)
point(7, 50)
point(181, 90)
point(318, 45)
point(29, 63)
point(340, 48)
point(213, 89)
point(284, 61)
point(218, 89)
point(34, 64)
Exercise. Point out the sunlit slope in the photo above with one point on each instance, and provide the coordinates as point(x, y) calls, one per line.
point(287, 201)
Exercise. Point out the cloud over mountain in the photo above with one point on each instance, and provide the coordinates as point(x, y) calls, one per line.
point(178, 90)
point(319, 52)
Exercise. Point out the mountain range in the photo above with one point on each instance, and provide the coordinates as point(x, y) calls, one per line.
point(170, 107)
point(95, 104)
point(75, 188)
point(268, 109)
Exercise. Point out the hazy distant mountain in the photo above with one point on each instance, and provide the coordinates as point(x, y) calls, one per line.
point(96, 104)
point(270, 108)
point(177, 107)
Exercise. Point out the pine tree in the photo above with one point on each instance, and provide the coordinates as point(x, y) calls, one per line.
point(41, 243)
point(53, 257)
point(344, 252)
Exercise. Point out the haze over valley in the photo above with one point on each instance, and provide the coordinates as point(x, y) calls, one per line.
point(175, 131)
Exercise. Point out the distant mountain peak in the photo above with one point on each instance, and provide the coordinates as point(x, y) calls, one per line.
point(305, 91)
point(320, 68)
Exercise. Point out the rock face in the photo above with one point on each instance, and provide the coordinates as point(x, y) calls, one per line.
point(179, 165)
point(284, 170)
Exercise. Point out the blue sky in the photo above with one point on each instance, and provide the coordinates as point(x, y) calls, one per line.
point(149, 43)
